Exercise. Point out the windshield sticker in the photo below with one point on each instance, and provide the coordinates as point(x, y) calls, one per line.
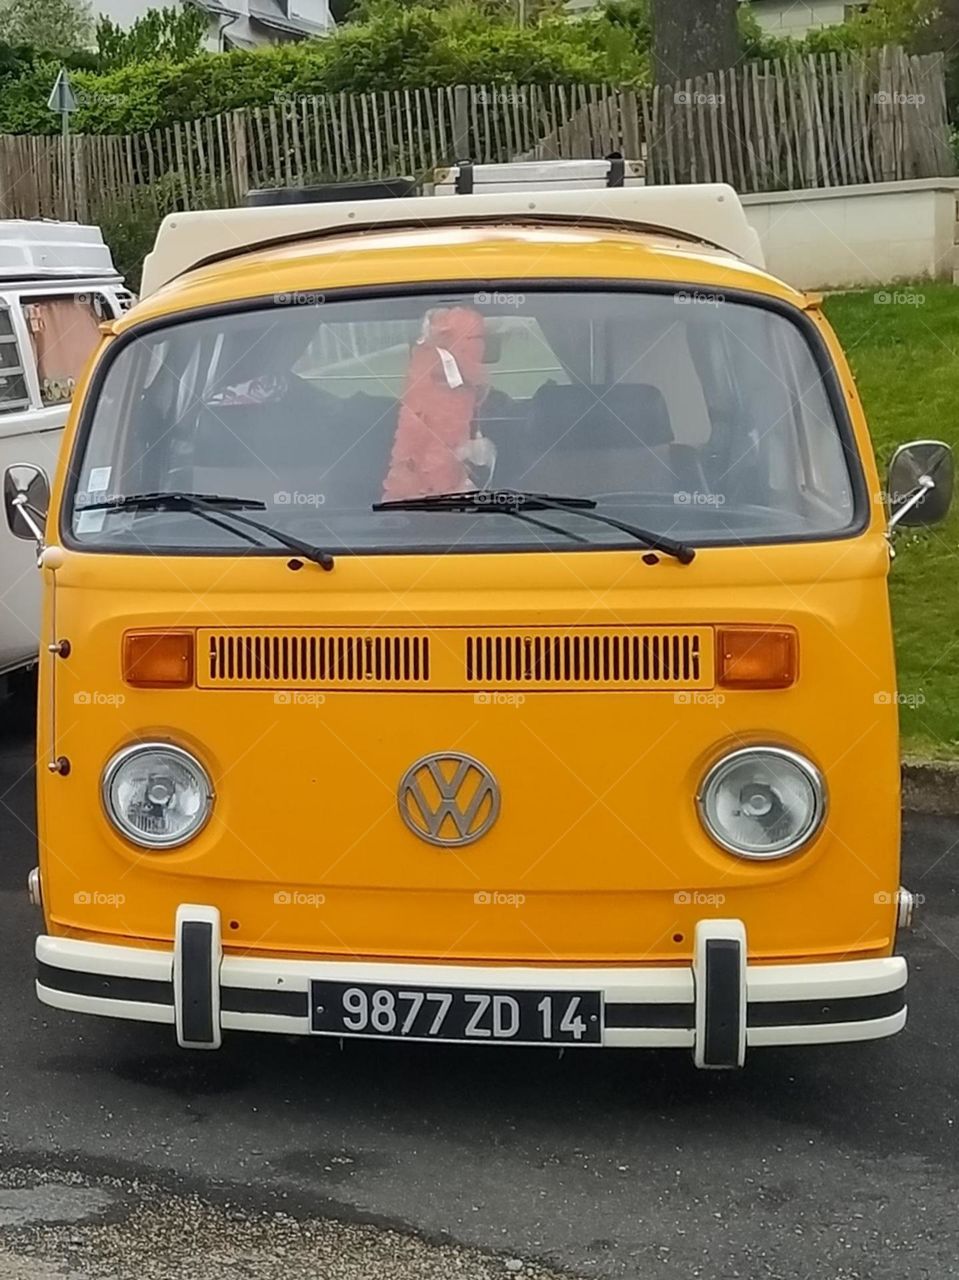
point(99, 479)
point(90, 521)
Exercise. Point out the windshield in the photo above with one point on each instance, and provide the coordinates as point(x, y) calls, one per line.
point(706, 421)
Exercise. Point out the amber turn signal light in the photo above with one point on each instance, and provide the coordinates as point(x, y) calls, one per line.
point(158, 659)
point(757, 657)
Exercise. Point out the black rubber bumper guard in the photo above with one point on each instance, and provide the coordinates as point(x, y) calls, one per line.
point(197, 953)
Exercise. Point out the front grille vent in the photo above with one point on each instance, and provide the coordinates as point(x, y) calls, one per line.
point(317, 659)
point(449, 659)
point(639, 657)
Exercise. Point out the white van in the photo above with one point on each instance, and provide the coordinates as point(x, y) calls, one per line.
point(58, 284)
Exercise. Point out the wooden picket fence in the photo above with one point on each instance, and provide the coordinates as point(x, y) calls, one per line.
point(816, 121)
point(825, 120)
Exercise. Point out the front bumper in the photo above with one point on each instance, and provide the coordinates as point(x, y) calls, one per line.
point(717, 1007)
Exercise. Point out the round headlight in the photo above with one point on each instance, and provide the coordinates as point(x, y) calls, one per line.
point(156, 795)
point(762, 802)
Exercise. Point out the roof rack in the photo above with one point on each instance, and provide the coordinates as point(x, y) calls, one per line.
point(467, 178)
point(708, 212)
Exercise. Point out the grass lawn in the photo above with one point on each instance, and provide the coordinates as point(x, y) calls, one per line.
point(906, 360)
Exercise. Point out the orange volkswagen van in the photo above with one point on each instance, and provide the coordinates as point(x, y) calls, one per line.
point(466, 620)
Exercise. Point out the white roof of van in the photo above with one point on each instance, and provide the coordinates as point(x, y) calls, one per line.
point(38, 250)
point(709, 212)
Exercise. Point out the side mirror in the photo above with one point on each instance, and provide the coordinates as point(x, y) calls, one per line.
point(26, 497)
point(921, 477)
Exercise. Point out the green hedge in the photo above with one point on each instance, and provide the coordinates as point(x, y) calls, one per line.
point(416, 46)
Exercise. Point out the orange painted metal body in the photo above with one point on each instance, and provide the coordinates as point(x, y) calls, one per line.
point(598, 832)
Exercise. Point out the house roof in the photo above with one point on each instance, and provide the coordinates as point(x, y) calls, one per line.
point(270, 14)
point(216, 7)
point(265, 13)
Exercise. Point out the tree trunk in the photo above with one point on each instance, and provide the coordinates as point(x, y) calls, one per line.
point(693, 37)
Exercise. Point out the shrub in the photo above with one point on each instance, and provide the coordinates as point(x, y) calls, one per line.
point(130, 225)
point(396, 47)
point(56, 26)
point(160, 33)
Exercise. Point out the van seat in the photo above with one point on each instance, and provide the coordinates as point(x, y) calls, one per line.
point(606, 439)
point(320, 443)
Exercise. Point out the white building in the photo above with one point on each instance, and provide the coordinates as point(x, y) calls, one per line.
point(238, 24)
point(797, 17)
point(779, 17)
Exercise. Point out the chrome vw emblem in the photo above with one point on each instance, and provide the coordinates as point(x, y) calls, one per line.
point(448, 799)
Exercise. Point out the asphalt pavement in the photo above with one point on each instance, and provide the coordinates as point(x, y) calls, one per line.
point(122, 1156)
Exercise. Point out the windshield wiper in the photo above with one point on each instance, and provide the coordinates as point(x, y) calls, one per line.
point(510, 507)
point(680, 551)
point(516, 501)
point(483, 499)
point(212, 507)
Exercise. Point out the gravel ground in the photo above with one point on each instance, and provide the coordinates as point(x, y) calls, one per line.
point(65, 1227)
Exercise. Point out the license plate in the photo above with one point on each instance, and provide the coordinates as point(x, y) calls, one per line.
point(456, 1013)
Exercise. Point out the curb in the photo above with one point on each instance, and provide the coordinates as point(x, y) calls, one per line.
point(931, 786)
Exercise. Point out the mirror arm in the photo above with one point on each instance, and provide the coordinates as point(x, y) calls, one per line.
point(925, 484)
point(22, 503)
